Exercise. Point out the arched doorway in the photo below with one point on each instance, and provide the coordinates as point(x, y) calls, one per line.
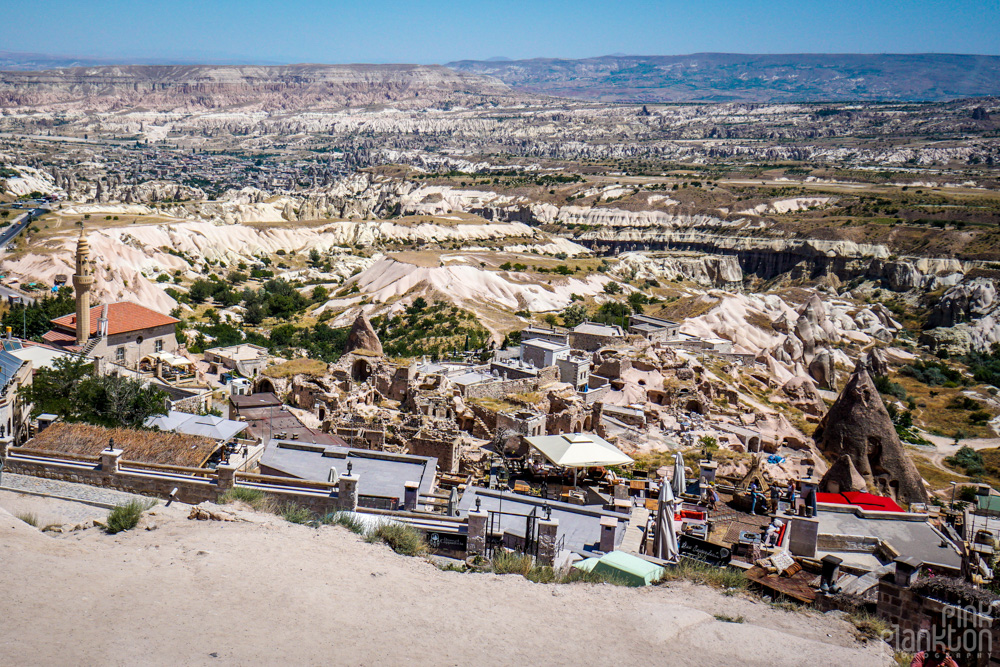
point(265, 386)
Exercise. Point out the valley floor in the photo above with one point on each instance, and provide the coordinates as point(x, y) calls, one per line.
point(263, 591)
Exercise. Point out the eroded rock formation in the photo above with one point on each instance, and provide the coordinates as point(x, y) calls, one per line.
point(859, 426)
point(363, 337)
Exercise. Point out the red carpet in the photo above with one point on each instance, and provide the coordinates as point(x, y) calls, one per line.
point(866, 501)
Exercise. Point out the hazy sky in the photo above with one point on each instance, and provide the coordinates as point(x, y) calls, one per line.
point(333, 31)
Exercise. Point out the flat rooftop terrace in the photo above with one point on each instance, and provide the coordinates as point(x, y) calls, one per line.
point(908, 537)
point(380, 473)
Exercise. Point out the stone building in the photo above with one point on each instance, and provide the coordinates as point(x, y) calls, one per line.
point(122, 333)
point(575, 370)
point(542, 353)
point(591, 336)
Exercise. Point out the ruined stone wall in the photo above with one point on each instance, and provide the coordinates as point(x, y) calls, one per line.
point(444, 449)
point(503, 388)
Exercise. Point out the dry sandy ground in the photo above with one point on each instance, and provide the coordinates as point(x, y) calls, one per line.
point(263, 591)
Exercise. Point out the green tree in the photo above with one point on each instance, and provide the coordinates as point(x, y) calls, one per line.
point(612, 288)
point(637, 300)
point(68, 390)
point(36, 318)
point(320, 294)
point(51, 389)
point(116, 401)
point(574, 315)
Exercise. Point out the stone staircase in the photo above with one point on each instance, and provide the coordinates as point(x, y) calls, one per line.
point(89, 347)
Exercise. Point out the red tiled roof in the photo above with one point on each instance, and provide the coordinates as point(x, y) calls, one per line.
point(123, 317)
point(58, 337)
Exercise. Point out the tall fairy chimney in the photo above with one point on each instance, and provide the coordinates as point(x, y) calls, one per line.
point(82, 282)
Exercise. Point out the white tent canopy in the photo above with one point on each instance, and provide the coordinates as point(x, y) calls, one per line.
point(578, 450)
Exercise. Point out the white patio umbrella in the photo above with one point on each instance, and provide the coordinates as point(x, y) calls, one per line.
point(578, 450)
point(665, 544)
point(679, 485)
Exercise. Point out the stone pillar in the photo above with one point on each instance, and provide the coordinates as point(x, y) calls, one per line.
point(109, 461)
point(609, 525)
point(906, 569)
point(477, 533)
point(548, 538)
point(707, 474)
point(803, 534)
point(347, 493)
point(226, 477)
point(805, 486)
point(410, 492)
point(621, 492)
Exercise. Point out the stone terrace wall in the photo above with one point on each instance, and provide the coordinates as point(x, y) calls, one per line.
point(916, 618)
point(502, 388)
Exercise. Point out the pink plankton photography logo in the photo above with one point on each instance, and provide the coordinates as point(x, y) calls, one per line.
point(962, 631)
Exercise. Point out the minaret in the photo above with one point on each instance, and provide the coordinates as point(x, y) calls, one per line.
point(82, 281)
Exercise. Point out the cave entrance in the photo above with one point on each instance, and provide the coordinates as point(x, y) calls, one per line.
point(361, 370)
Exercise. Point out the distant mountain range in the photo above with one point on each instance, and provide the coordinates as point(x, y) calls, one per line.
point(285, 87)
point(721, 77)
point(32, 62)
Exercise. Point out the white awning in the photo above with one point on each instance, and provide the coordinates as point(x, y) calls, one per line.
point(578, 450)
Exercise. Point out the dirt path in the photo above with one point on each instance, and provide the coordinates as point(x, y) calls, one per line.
point(263, 591)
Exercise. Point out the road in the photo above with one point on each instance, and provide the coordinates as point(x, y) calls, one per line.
point(18, 225)
point(8, 234)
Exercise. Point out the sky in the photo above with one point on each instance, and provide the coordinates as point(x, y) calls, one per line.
point(418, 31)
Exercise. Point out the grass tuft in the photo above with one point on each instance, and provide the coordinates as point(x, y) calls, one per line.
point(29, 518)
point(402, 538)
point(126, 516)
point(869, 626)
point(726, 618)
point(255, 498)
point(726, 578)
point(295, 513)
point(348, 521)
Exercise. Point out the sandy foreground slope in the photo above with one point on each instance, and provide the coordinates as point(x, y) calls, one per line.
point(262, 591)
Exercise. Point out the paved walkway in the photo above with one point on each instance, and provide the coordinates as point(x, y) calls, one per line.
point(65, 490)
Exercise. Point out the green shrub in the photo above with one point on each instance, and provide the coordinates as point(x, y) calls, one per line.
point(348, 521)
point(255, 498)
point(968, 460)
point(510, 562)
point(294, 513)
point(402, 538)
point(126, 516)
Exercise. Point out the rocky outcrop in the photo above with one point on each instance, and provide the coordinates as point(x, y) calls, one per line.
point(802, 394)
point(706, 270)
point(843, 477)
point(363, 337)
point(962, 302)
point(917, 273)
point(965, 318)
point(859, 426)
point(814, 326)
point(824, 370)
point(875, 363)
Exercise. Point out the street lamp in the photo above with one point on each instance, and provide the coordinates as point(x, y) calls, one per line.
point(954, 485)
